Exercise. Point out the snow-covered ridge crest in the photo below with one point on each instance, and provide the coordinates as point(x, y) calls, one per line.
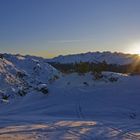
point(20, 74)
point(96, 57)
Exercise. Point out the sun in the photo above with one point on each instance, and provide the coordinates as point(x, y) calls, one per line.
point(135, 48)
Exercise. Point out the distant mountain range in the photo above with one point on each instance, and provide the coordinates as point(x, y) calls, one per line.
point(96, 57)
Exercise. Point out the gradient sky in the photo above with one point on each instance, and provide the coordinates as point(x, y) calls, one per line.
point(52, 27)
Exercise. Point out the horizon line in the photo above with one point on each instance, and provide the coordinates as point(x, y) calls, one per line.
point(36, 55)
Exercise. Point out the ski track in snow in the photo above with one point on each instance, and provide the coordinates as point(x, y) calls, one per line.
point(125, 133)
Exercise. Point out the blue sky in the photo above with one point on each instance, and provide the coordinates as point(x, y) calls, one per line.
point(52, 27)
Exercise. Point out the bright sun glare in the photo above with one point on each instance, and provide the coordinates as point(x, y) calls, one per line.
point(135, 48)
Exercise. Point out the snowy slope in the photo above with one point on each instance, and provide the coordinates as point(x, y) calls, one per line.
point(77, 107)
point(96, 57)
point(33, 66)
point(102, 111)
point(20, 74)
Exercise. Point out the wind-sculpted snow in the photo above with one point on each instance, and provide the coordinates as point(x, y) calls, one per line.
point(96, 57)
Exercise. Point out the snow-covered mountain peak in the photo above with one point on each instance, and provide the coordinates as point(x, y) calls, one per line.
point(20, 74)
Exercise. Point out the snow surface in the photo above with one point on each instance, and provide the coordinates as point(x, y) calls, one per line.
point(96, 57)
point(73, 110)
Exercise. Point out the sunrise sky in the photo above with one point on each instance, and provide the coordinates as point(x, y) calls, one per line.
point(51, 27)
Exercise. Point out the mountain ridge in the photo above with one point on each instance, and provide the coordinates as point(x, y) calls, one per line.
point(21, 74)
point(96, 57)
